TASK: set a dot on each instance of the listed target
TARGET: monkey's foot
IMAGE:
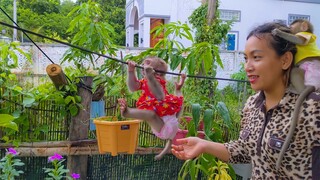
(123, 107)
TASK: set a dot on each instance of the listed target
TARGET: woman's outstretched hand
(188, 148)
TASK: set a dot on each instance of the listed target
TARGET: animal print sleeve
(317, 123)
(238, 152)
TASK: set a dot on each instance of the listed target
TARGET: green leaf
(196, 110)
(28, 101)
(208, 121)
(175, 61)
(73, 109)
(224, 112)
(69, 99)
(6, 120)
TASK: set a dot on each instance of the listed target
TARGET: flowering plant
(58, 171)
(8, 163)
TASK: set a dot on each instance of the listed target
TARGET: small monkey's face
(149, 62)
(298, 27)
(295, 28)
(156, 64)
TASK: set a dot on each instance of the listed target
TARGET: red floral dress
(170, 105)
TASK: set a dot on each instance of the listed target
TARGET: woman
(266, 116)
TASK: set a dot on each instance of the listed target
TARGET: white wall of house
(256, 12)
(252, 13)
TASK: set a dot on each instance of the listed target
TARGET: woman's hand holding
(188, 148)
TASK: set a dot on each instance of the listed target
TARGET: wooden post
(211, 11)
(79, 127)
(56, 74)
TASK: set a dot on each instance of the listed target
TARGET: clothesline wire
(27, 36)
(112, 58)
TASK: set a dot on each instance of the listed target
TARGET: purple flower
(56, 156)
(75, 176)
(12, 151)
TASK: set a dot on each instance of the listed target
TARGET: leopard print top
(263, 133)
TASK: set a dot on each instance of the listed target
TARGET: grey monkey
(309, 55)
(164, 126)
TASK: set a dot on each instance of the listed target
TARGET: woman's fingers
(177, 147)
(179, 154)
(182, 141)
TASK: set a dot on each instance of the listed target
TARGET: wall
(253, 13)
(256, 12)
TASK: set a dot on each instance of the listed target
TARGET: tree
(6, 5)
(210, 32)
(41, 6)
(115, 15)
(45, 17)
(49, 17)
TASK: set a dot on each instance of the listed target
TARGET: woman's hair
(280, 45)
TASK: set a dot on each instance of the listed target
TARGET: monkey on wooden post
(305, 76)
(156, 106)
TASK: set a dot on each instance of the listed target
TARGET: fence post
(79, 127)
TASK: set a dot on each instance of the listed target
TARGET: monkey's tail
(165, 150)
(294, 122)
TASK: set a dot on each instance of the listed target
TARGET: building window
(292, 17)
(231, 42)
(228, 15)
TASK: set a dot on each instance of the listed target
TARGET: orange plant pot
(116, 136)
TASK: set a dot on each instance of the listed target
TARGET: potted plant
(115, 134)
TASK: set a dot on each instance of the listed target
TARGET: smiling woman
(267, 67)
(267, 116)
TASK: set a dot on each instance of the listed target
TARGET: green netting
(123, 166)
(133, 167)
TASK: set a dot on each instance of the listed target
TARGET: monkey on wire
(156, 106)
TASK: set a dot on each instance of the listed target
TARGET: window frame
(302, 16)
(224, 46)
(231, 11)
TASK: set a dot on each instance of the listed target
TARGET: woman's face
(263, 66)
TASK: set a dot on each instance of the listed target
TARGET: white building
(143, 15)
